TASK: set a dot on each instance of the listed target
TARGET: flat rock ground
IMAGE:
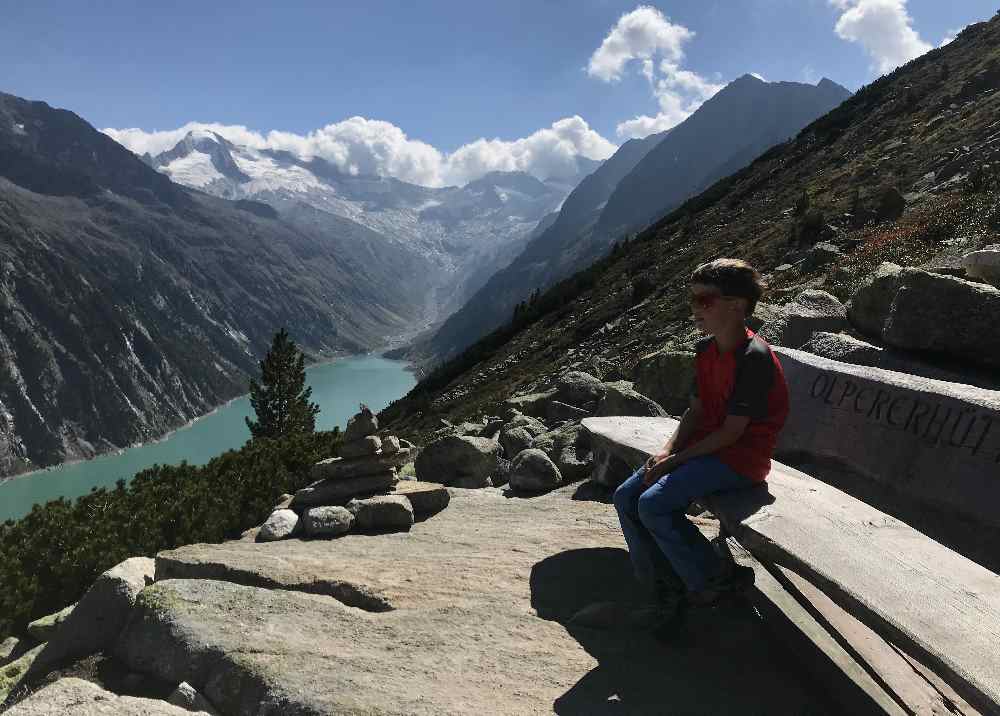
(481, 597)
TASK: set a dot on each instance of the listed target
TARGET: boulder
(844, 348)
(84, 698)
(327, 521)
(390, 445)
(188, 698)
(361, 425)
(426, 498)
(984, 264)
(383, 513)
(13, 673)
(811, 311)
(946, 315)
(869, 306)
(531, 470)
(7, 649)
(534, 426)
(281, 524)
(340, 491)
(43, 628)
(621, 399)
(667, 377)
(468, 428)
(458, 459)
(514, 439)
(99, 616)
(557, 411)
(569, 448)
(820, 255)
(338, 468)
(579, 389)
(531, 404)
(368, 445)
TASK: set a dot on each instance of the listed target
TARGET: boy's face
(712, 311)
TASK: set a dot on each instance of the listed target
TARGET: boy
(724, 441)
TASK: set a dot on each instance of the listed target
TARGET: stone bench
(909, 589)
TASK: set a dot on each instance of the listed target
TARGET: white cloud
(883, 28)
(951, 35)
(641, 34)
(366, 146)
(648, 38)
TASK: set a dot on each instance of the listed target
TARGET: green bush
(50, 557)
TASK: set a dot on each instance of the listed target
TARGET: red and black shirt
(746, 381)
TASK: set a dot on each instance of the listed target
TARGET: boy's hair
(734, 277)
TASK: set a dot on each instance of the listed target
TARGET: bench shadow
(723, 661)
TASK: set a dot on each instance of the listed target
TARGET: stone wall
(937, 442)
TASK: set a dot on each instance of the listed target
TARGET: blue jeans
(654, 523)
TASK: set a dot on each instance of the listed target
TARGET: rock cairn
(356, 490)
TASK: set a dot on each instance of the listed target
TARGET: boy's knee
(624, 496)
(656, 504)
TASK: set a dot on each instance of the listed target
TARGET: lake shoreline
(326, 360)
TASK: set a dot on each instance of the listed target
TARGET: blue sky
(438, 76)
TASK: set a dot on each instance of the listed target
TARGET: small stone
(984, 264)
(327, 521)
(383, 513)
(280, 525)
(368, 445)
(7, 648)
(188, 698)
(361, 425)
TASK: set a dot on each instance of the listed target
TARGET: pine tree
(281, 398)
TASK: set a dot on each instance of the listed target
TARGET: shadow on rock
(722, 662)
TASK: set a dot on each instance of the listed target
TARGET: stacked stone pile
(355, 490)
(538, 445)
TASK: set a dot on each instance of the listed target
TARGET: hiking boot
(734, 582)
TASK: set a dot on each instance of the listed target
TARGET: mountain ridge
(660, 171)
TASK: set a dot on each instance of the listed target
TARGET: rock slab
(99, 616)
(84, 698)
(340, 491)
(338, 468)
(43, 628)
(426, 498)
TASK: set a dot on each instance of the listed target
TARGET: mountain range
(132, 304)
(461, 234)
(642, 181)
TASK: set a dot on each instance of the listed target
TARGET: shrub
(50, 557)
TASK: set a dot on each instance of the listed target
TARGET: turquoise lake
(338, 388)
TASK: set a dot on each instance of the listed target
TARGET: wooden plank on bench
(908, 588)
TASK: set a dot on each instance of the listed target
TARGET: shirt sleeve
(754, 379)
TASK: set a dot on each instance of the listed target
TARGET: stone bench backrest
(937, 442)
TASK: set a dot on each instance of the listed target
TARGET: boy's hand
(659, 469)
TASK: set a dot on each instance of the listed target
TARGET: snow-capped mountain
(467, 232)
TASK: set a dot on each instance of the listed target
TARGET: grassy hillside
(928, 132)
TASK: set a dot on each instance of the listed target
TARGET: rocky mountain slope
(903, 171)
(641, 182)
(462, 234)
(132, 305)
